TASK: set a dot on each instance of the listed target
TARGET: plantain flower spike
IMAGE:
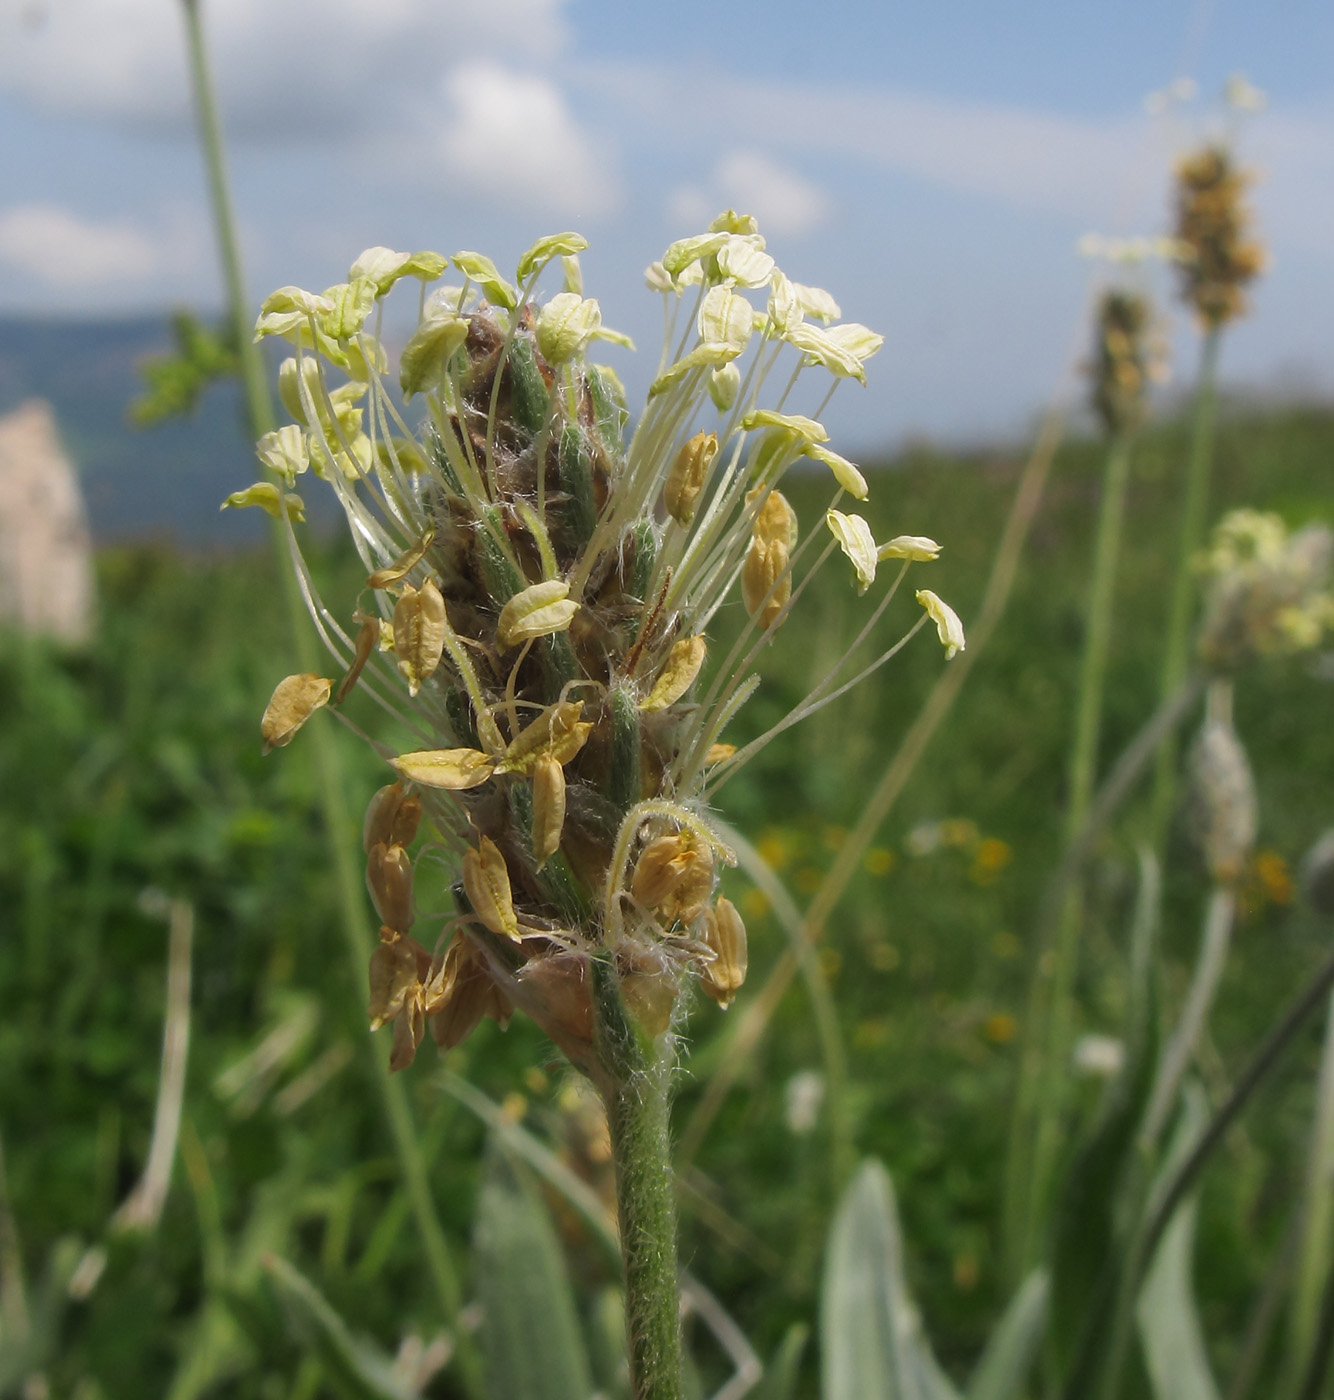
(1217, 254)
(1268, 591)
(1127, 357)
(539, 587)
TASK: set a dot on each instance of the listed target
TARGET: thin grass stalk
(339, 826)
(841, 1149)
(1313, 1383)
(751, 1028)
(1194, 512)
(1214, 943)
(1316, 1247)
(1265, 1314)
(142, 1208)
(1054, 1030)
(1115, 789)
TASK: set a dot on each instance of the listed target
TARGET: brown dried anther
(486, 881)
(291, 705)
(725, 935)
(419, 633)
(389, 879)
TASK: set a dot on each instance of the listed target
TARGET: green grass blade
(1089, 1246)
(1169, 1324)
(780, 1375)
(872, 1340)
(535, 1154)
(531, 1343)
(1003, 1369)
(353, 1366)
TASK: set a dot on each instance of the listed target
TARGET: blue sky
(931, 164)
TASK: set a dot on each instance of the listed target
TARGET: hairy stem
(636, 1092)
(1176, 649)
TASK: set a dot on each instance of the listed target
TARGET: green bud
(623, 777)
(644, 543)
(531, 399)
(579, 514)
(609, 407)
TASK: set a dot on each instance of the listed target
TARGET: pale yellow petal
(918, 548)
(948, 626)
(538, 611)
(403, 565)
(548, 808)
(419, 633)
(857, 542)
(454, 770)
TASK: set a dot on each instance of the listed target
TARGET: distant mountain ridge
(163, 482)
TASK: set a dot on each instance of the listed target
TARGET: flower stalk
(1218, 259)
(328, 768)
(1124, 362)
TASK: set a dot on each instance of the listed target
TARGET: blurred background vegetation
(132, 777)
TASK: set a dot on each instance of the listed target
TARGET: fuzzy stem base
(636, 1093)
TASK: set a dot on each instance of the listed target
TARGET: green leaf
(536, 1155)
(353, 1366)
(530, 1335)
(1004, 1366)
(39, 1345)
(872, 1343)
(1169, 1325)
(780, 1375)
(606, 1331)
(174, 383)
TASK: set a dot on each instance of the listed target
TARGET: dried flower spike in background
(1215, 249)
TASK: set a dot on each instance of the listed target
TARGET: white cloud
(1110, 173)
(780, 199)
(283, 66)
(59, 248)
(1294, 195)
(70, 253)
(688, 206)
(513, 136)
(1028, 159)
(753, 183)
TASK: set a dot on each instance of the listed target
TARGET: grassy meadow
(134, 767)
